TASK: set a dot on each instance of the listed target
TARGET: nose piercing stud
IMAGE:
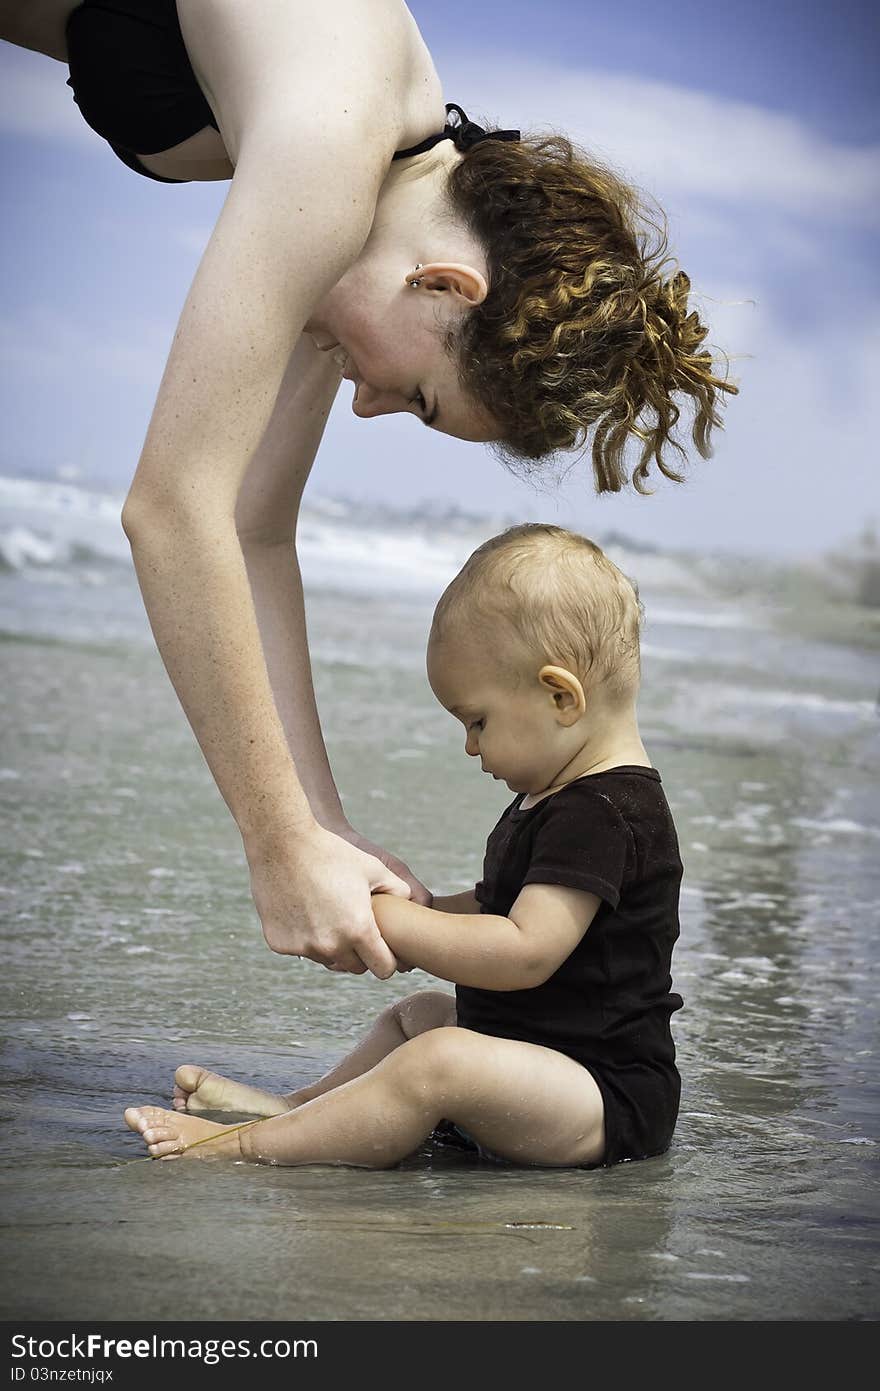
(414, 284)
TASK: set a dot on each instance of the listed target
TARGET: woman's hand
(314, 901)
(417, 891)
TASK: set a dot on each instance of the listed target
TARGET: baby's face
(509, 725)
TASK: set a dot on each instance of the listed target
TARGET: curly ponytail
(580, 329)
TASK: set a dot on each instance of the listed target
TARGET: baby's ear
(567, 691)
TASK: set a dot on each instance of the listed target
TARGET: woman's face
(391, 347)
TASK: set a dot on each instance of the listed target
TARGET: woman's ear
(568, 694)
(463, 282)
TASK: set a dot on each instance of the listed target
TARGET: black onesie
(609, 1003)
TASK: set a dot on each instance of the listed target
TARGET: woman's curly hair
(580, 329)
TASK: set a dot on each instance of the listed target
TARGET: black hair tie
(465, 134)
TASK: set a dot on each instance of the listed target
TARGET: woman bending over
(502, 290)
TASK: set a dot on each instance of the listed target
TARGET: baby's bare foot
(198, 1090)
(168, 1135)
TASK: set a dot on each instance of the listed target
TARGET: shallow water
(131, 945)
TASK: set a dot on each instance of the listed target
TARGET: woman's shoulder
(347, 64)
(423, 109)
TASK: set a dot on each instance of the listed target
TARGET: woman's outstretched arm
(266, 515)
(266, 518)
(285, 236)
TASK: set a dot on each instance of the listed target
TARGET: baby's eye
(419, 400)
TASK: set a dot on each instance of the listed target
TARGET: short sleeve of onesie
(582, 842)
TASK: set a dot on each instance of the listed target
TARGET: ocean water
(130, 945)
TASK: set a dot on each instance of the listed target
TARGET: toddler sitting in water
(556, 1049)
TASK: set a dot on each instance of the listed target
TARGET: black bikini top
(463, 132)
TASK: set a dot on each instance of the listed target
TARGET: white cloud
(795, 468)
(674, 139)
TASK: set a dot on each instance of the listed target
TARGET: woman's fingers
(395, 868)
(316, 903)
(346, 962)
(375, 953)
(385, 881)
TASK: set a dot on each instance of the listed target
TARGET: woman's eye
(476, 724)
(419, 400)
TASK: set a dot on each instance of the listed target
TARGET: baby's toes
(163, 1143)
(135, 1118)
(156, 1133)
(187, 1078)
(160, 1135)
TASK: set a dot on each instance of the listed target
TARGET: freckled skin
(297, 87)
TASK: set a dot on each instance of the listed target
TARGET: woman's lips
(350, 373)
(346, 364)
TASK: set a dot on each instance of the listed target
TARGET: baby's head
(535, 648)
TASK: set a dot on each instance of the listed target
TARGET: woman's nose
(472, 744)
(371, 400)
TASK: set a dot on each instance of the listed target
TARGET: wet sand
(131, 946)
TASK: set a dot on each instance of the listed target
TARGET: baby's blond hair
(560, 599)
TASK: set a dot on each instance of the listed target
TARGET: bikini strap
(463, 132)
(467, 133)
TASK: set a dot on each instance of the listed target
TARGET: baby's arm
(456, 903)
(492, 953)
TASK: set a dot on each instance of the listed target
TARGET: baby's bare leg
(525, 1103)
(197, 1090)
(406, 1019)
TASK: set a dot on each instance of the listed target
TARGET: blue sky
(757, 128)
